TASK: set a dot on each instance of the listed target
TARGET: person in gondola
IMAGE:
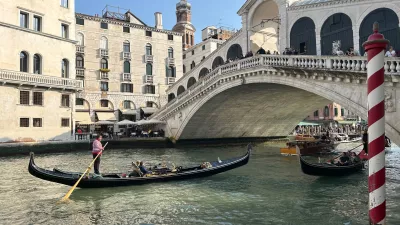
(143, 169)
(365, 141)
(344, 160)
(97, 150)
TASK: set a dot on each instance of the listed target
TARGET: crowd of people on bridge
(357, 129)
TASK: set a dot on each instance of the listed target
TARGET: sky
(204, 12)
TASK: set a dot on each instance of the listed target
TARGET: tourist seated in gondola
(135, 171)
(143, 169)
(344, 160)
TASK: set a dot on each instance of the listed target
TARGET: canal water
(269, 190)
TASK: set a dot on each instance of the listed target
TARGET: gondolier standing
(97, 149)
(365, 141)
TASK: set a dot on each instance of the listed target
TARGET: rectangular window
(148, 33)
(127, 88)
(149, 89)
(203, 47)
(23, 122)
(24, 97)
(127, 105)
(104, 103)
(336, 112)
(37, 23)
(104, 25)
(316, 113)
(342, 111)
(64, 30)
(79, 101)
(37, 98)
(23, 19)
(184, 56)
(65, 122)
(64, 3)
(65, 100)
(37, 122)
(192, 52)
(104, 86)
(80, 21)
(170, 37)
(126, 29)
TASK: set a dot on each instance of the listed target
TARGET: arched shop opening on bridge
(203, 72)
(171, 97)
(338, 27)
(218, 61)
(191, 82)
(302, 36)
(181, 89)
(234, 52)
(264, 27)
(388, 26)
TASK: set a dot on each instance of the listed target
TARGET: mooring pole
(375, 48)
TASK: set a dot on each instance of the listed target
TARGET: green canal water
(269, 190)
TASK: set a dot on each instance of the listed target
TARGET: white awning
(129, 112)
(105, 122)
(126, 122)
(149, 110)
(152, 121)
(83, 118)
(106, 116)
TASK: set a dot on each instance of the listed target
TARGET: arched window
(127, 46)
(149, 69)
(192, 65)
(170, 71)
(79, 62)
(170, 53)
(184, 69)
(64, 68)
(127, 67)
(326, 111)
(23, 62)
(316, 113)
(37, 64)
(104, 43)
(149, 50)
(187, 38)
(104, 63)
(80, 39)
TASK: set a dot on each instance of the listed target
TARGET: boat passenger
(97, 150)
(365, 141)
(143, 169)
(344, 160)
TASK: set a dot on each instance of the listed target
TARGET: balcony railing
(148, 79)
(171, 61)
(80, 72)
(103, 75)
(103, 52)
(148, 58)
(126, 77)
(80, 49)
(126, 55)
(7, 76)
(170, 80)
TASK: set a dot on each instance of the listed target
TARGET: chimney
(158, 17)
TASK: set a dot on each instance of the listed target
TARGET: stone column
(356, 38)
(318, 41)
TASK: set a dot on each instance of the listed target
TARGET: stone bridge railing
(349, 65)
(7, 76)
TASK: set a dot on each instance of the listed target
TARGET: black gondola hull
(108, 181)
(328, 170)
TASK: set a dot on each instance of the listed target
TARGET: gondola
(325, 169)
(115, 180)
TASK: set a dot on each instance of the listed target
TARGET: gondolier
(365, 141)
(97, 149)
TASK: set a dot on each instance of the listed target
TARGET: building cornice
(125, 24)
(36, 32)
(322, 4)
(246, 7)
(203, 43)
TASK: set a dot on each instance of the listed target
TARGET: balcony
(20, 78)
(126, 55)
(80, 72)
(80, 49)
(126, 77)
(170, 80)
(103, 52)
(148, 58)
(170, 61)
(103, 75)
(148, 79)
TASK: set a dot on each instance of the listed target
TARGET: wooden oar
(66, 197)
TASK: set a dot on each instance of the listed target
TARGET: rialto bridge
(268, 95)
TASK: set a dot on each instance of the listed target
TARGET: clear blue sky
(204, 12)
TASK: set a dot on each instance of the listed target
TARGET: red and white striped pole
(375, 47)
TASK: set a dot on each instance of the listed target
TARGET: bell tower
(184, 24)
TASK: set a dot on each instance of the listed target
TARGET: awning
(126, 122)
(149, 110)
(104, 122)
(82, 116)
(152, 121)
(129, 112)
(308, 124)
(106, 116)
(349, 122)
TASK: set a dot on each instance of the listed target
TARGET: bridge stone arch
(303, 36)
(338, 26)
(218, 61)
(181, 89)
(234, 52)
(171, 97)
(191, 82)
